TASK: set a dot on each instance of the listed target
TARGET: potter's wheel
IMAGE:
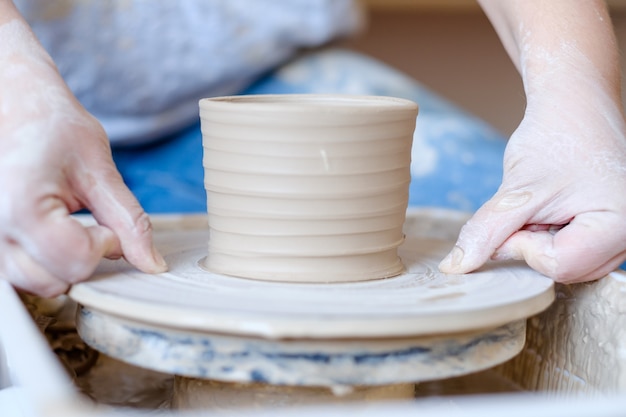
(418, 326)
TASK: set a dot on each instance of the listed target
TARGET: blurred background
(450, 46)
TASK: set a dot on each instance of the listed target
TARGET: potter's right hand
(54, 160)
(561, 206)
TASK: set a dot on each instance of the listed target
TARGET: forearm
(30, 84)
(16, 37)
(18, 44)
(559, 46)
(8, 12)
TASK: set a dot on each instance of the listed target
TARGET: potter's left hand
(562, 203)
(55, 159)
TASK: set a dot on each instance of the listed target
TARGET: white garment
(140, 66)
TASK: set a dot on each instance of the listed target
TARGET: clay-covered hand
(562, 203)
(54, 160)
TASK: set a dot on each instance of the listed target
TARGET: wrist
(574, 96)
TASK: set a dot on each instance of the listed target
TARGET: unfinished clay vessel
(306, 188)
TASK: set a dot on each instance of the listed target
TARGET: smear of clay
(512, 201)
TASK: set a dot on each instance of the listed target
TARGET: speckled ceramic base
(300, 362)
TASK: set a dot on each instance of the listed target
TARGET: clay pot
(306, 188)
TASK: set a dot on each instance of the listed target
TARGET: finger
(17, 267)
(488, 228)
(66, 248)
(114, 206)
(110, 244)
(583, 250)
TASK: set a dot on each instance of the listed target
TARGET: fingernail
(158, 260)
(453, 260)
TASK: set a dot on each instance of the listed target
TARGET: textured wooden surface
(578, 345)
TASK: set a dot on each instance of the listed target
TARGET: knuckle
(32, 281)
(143, 224)
(72, 261)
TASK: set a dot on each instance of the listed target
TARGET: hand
(54, 160)
(562, 203)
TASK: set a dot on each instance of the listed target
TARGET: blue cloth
(456, 157)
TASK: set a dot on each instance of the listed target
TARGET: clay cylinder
(306, 188)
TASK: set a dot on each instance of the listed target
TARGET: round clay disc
(421, 301)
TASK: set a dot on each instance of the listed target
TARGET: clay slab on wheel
(421, 301)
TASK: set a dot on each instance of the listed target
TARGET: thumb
(488, 228)
(114, 206)
(585, 249)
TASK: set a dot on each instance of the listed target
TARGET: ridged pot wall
(306, 188)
